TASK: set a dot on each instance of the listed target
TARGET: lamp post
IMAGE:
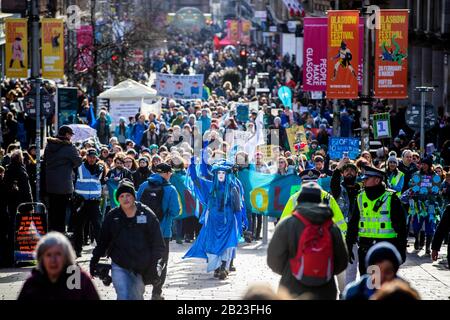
(423, 90)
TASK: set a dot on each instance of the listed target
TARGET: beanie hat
(310, 192)
(393, 159)
(427, 160)
(383, 251)
(125, 186)
(143, 159)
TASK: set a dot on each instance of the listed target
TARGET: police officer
(313, 175)
(88, 189)
(378, 216)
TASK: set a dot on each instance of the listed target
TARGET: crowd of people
(105, 189)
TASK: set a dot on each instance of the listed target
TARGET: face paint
(221, 176)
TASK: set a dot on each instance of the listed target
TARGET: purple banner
(315, 54)
(85, 45)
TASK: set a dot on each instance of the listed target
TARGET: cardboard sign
(382, 126)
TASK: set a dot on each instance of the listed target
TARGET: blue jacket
(171, 203)
(137, 132)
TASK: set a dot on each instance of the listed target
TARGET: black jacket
(60, 158)
(131, 245)
(140, 176)
(442, 230)
(398, 219)
(17, 186)
(336, 189)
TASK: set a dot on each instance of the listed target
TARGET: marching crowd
(117, 189)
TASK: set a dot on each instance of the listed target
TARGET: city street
(187, 279)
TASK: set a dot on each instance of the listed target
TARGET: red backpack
(313, 262)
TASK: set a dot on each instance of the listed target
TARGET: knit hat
(310, 192)
(393, 159)
(427, 160)
(383, 251)
(125, 186)
(143, 159)
(152, 126)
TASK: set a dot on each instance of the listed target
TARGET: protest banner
(391, 55)
(343, 54)
(337, 147)
(179, 86)
(52, 34)
(16, 48)
(267, 194)
(191, 206)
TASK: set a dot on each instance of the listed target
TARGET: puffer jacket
(60, 159)
(283, 247)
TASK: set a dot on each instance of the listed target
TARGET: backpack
(313, 262)
(152, 198)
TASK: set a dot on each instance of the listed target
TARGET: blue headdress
(229, 179)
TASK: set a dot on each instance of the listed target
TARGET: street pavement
(187, 278)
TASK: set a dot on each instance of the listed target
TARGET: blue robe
(219, 236)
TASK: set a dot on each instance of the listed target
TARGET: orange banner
(343, 54)
(391, 55)
(16, 48)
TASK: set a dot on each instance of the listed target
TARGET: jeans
(128, 285)
(430, 226)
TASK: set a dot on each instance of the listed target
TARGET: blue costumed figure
(223, 202)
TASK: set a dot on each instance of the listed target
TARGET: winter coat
(140, 176)
(39, 287)
(171, 203)
(149, 138)
(61, 157)
(133, 244)
(283, 247)
(17, 185)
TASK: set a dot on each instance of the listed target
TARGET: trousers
(165, 258)
(58, 204)
(128, 285)
(88, 213)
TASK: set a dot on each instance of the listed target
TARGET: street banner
(391, 55)
(16, 48)
(85, 46)
(245, 32)
(285, 95)
(337, 147)
(382, 126)
(233, 31)
(267, 194)
(179, 86)
(315, 54)
(343, 54)
(52, 34)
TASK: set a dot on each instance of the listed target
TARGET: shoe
(223, 274)
(188, 240)
(232, 268)
(156, 296)
(216, 273)
(416, 243)
(179, 241)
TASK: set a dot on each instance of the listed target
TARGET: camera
(102, 272)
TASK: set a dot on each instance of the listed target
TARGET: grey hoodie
(283, 247)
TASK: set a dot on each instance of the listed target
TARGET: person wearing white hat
(395, 178)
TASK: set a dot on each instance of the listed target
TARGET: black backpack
(152, 198)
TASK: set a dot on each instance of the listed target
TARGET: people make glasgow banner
(337, 147)
(179, 86)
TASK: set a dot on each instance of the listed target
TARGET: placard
(381, 126)
(242, 112)
(337, 147)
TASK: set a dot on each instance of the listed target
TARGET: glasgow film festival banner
(315, 54)
(179, 86)
(52, 34)
(343, 54)
(391, 55)
(16, 48)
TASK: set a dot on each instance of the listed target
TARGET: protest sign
(179, 86)
(242, 112)
(337, 147)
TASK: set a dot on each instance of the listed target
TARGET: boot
(421, 239)
(428, 245)
(223, 273)
(216, 273)
(416, 242)
(232, 267)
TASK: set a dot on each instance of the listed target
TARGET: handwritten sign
(337, 147)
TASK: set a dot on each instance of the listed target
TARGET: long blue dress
(219, 236)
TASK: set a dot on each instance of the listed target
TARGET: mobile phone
(345, 154)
